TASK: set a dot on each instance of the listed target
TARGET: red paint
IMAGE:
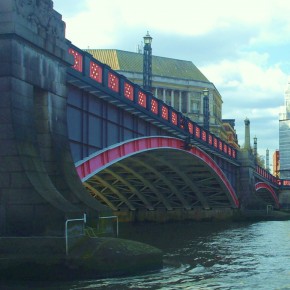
(78, 59)
(113, 82)
(142, 99)
(120, 151)
(154, 106)
(128, 91)
(174, 118)
(96, 72)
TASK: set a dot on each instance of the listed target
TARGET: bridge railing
(102, 76)
(284, 183)
(281, 183)
(267, 175)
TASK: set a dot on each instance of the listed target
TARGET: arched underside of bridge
(156, 173)
(266, 193)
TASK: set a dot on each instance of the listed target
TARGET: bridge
(170, 163)
(77, 137)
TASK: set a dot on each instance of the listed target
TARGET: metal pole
(66, 235)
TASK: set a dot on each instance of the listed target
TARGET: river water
(205, 255)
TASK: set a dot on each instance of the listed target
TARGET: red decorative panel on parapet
(78, 60)
(142, 99)
(129, 91)
(113, 82)
(174, 118)
(164, 112)
(190, 127)
(154, 106)
(96, 72)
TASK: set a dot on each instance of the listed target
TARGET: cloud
(187, 17)
(240, 46)
(251, 88)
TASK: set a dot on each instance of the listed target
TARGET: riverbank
(90, 258)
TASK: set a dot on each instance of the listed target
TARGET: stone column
(156, 92)
(188, 103)
(179, 102)
(164, 95)
(172, 98)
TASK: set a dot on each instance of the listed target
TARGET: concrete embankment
(90, 258)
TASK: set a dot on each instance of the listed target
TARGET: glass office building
(284, 136)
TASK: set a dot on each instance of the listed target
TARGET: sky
(242, 47)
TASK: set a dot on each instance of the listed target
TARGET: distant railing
(267, 175)
(93, 71)
(282, 183)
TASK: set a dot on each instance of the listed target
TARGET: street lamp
(205, 109)
(147, 63)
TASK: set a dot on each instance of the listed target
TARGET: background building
(284, 136)
(229, 126)
(178, 83)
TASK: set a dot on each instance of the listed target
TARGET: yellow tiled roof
(121, 60)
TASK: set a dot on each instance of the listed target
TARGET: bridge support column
(39, 188)
(246, 190)
(284, 199)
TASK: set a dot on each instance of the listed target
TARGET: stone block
(4, 177)
(19, 180)
(8, 147)
(6, 131)
(42, 126)
(5, 118)
(5, 69)
(22, 196)
(5, 84)
(22, 87)
(19, 219)
(11, 164)
(5, 101)
(44, 140)
(5, 51)
(6, 6)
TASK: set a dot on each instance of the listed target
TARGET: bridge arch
(267, 193)
(156, 172)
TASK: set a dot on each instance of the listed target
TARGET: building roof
(121, 60)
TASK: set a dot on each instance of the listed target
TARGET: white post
(164, 95)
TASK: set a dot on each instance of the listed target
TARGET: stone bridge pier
(246, 179)
(39, 187)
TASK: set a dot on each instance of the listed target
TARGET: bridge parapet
(99, 78)
(284, 183)
(267, 176)
(273, 180)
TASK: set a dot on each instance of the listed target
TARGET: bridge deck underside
(160, 179)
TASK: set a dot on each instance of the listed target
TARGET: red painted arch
(103, 159)
(264, 185)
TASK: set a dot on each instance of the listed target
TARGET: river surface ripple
(204, 255)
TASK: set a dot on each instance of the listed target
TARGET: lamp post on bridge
(205, 109)
(147, 63)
